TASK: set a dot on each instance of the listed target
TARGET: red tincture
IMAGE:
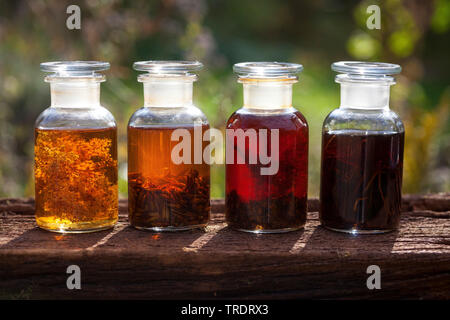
(361, 181)
(265, 203)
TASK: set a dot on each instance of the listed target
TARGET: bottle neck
(368, 96)
(75, 94)
(267, 95)
(168, 93)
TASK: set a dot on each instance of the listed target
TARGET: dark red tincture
(265, 203)
(361, 181)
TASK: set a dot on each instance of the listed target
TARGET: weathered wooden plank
(222, 263)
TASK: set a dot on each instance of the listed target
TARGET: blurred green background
(220, 33)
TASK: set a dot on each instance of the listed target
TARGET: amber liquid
(269, 203)
(76, 179)
(361, 181)
(162, 195)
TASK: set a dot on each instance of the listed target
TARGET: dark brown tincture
(361, 180)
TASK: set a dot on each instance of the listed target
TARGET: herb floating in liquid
(256, 202)
(161, 193)
(361, 180)
(174, 201)
(287, 212)
(76, 178)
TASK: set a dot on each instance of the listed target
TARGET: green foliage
(440, 22)
(363, 46)
(402, 43)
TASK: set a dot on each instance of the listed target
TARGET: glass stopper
(74, 68)
(366, 68)
(267, 69)
(168, 67)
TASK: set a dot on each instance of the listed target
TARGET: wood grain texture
(222, 263)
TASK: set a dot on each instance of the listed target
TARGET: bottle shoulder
(57, 118)
(359, 119)
(287, 118)
(156, 116)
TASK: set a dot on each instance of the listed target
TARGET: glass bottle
(75, 152)
(166, 193)
(362, 152)
(267, 152)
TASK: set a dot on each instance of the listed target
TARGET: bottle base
(84, 227)
(268, 231)
(359, 231)
(170, 229)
